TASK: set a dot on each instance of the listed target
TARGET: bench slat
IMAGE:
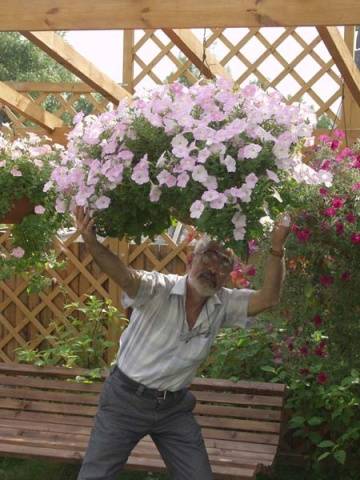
(86, 411)
(66, 440)
(77, 400)
(234, 435)
(238, 398)
(48, 384)
(238, 412)
(134, 462)
(234, 424)
(31, 394)
(198, 383)
(257, 388)
(78, 433)
(144, 448)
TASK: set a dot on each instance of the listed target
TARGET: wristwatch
(277, 253)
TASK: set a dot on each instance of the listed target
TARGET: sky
(104, 49)
(101, 47)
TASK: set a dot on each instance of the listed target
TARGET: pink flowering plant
(318, 353)
(25, 168)
(311, 341)
(212, 155)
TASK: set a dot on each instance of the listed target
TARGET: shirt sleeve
(237, 307)
(150, 284)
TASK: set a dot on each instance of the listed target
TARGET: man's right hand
(85, 225)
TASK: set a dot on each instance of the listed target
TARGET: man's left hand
(280, 231)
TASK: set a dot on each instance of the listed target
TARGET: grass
(14, 469)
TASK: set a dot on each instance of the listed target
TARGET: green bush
(80, 340)
(311, 341)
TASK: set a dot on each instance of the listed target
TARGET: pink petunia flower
(39, 209)
(317, 320)
(322, 378)
(102, 202)
(18, 252)
(345, 276)
(334, 144)
(15, 173)
(326, 280)
(355, 238)
(304, 350)
(339, 134)
(330, 212)
(350, 217)
(320, 350)
(303, 235)
(338, 202)
(196, 209)
(155, 194)
(339, 228)
(252, 246)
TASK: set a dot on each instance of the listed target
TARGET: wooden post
(350, 115)
(128, 61)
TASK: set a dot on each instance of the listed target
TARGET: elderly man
(174, 322)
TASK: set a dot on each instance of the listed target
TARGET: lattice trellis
(64, 100)
(293, 60)
(28, 317)
(276, 57)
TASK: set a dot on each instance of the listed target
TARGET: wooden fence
(28, 318)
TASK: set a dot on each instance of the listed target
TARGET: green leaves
(297, 421)
(314, 421)
(83, 341)
(326, 444)
(340, 456)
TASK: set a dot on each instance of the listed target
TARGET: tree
(21, 60)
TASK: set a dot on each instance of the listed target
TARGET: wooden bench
(43, 415)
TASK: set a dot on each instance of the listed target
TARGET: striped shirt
(157, 348)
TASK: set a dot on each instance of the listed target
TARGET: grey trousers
(123, 418)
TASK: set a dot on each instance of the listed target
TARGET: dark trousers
(126, 414)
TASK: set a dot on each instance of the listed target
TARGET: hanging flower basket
(28, 207)
(214, 153)
(20, 208)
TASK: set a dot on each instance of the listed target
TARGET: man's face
(210, 269)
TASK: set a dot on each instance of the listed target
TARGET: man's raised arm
(269, 294)
(127, 278)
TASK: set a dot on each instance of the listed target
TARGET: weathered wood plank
(147, 14)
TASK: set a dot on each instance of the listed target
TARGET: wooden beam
(151, 14)
(67, 56)
(50, 87)
(59, 135)
(350, 112)
(343, 59)
(193, 49)
(128, 60)
(29, 109)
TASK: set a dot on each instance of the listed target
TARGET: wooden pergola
(175, 19)
(167, 24)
